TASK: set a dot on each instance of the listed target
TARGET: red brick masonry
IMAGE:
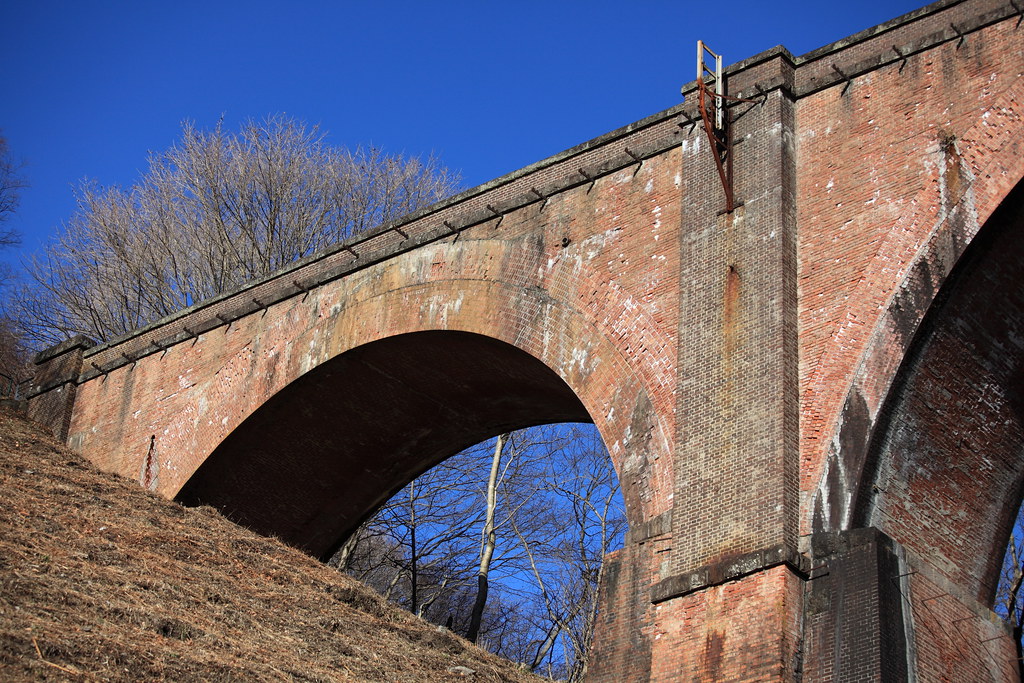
(814, 402)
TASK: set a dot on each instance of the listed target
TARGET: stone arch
(318, 456)
(978, 171)
(942, 465)
(945, 464)
(554, 361)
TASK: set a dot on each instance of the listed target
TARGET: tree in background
(566, 549)
(12, 182)
(215, 211)
(534, 513)
(1009, 601)
(14, 366)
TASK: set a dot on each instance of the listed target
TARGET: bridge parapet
(756, 374)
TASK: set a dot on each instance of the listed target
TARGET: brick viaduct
(814, 402)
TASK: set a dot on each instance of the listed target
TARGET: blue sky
(88, 89)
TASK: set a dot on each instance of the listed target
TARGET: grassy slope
(101, 580)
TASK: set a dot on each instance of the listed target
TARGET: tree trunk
(412, 555)
(487, 542)
(545, 647)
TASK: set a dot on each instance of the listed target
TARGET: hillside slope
(101, 580)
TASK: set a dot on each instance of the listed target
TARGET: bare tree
(12, 182)
(488, 539)
(1009, 601)
(14, 365)
(584, 521)
(509, 542)
(216, 210)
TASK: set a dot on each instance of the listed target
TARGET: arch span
(945, 465)
(322, 454)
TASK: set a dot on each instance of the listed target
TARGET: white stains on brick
(592, 246)
(439, 306)
(694, 146)
(315, 351)
(633, 463)
(825, 494)
(581, 362)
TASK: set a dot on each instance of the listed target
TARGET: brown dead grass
(100, 580)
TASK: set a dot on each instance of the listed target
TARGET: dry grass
(100, 580)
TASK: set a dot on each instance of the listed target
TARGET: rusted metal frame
(718, 132)
(719, 147)
(721, 138)
(716, 75)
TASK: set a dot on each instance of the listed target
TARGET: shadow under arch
(325, 452)
(944, 467)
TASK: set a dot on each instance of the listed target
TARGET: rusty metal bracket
(903, 57)
(689, 121)
(636, 158)
(305, 291)
(811, 570)
(543, 198)
(1020, 13)
(497, 213)
(590, 178)
(842, 74)
(762, 93)
(959, 33)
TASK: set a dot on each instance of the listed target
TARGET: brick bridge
(814, 402)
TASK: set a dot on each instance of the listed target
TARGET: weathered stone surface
(814, 402)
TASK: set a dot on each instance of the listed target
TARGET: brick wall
(804, 365)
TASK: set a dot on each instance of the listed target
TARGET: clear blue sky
(88, 89)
